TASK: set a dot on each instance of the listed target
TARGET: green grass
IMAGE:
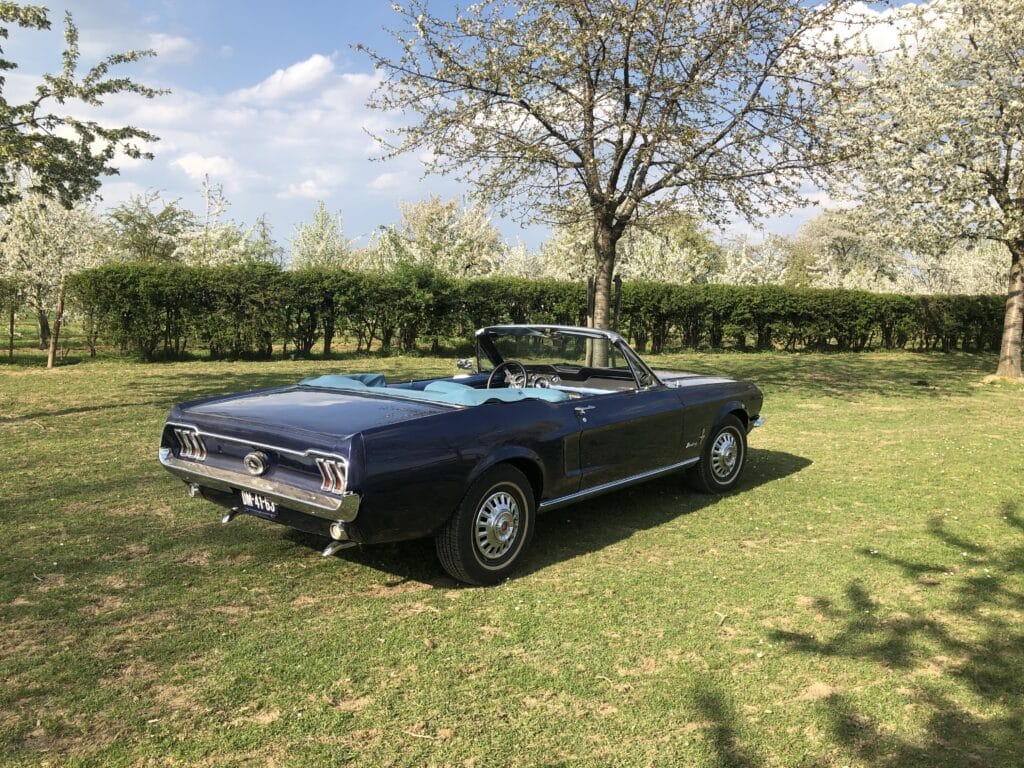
(858, 602)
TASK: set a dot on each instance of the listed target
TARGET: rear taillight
(333, 475)
(190, 444)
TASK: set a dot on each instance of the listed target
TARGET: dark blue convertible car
(547, 416)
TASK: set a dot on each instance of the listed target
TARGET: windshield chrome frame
(633, 361)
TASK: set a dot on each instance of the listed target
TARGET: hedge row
(241, 311)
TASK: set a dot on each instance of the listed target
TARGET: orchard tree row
(43, 242)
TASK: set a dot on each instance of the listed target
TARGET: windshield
(552, 347)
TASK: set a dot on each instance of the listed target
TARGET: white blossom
(321, 242)
(42, 242)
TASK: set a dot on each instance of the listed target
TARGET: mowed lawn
(859, 601)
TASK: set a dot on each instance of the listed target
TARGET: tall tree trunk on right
(1013, 322)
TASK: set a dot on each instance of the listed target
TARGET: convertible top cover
(447, 392)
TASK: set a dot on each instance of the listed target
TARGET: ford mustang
(544, 417)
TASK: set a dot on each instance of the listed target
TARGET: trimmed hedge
(161, 311)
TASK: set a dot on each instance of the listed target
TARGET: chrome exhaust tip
(193, 490)
(230, 515)
(335, 546)
(338, 532)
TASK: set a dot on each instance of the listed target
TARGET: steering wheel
(509, 364)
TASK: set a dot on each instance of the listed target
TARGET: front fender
(731, 407)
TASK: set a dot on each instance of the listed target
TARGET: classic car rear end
(292, 455)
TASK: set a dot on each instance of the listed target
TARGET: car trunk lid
(329, 414)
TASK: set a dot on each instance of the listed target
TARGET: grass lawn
(859, 601)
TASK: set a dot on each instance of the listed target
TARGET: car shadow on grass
(962, 664)
(559, 536)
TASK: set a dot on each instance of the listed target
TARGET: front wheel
(485, 537)
(722, 457)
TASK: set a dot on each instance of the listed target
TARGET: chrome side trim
(572, 498)
(344, 508)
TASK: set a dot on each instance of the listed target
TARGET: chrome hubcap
(725, 453)
(497, 522)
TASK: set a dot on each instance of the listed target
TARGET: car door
(624, 434)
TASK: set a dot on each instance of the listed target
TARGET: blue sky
(266, 98)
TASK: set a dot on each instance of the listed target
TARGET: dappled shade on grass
(971, 642)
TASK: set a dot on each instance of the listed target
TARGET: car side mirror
(465, 364)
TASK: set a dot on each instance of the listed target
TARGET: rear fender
(516, 455)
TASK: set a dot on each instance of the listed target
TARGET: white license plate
(258, 505)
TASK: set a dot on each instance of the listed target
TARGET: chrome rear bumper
(342, 508)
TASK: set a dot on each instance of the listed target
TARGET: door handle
(581, 411)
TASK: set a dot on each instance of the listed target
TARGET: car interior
(525, 363)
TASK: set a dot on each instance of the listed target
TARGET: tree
(41, 244)
(568, 254)
(969, 266)
(629, 107)
(938, 123)
(674, 248)
(321, 242)
(10, 299)
(215, 241)
(64, 156)
(146, 228)
(671, 248)
(839, 249)
(755, 264)
(259, 246)
(458, 241)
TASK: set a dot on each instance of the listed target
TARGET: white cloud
(386, 181)
(97, 43)
(307, 189)
(172, 48)
(198, 166)
(290, 82)
(161, 112)
(115, 192)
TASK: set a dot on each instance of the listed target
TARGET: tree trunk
(605, 241)
(44, 328)
(1013, 322)
(10, 336)
(51, 359)
(328, 335)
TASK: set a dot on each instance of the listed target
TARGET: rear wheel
(722, 457)
(485, 537)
